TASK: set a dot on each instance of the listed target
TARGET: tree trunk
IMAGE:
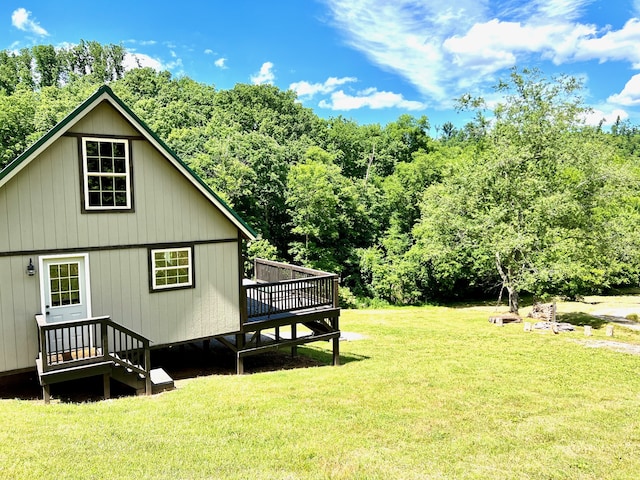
(514, 300)
(507, 282)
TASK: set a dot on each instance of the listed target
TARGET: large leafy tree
(534, 209)
(323, 205)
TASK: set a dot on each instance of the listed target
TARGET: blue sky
(369, 60)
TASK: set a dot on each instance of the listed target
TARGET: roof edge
(174, 155)
(52, 134)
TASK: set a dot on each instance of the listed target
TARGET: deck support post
(239, 360)
(336, 342)
(294, 336)
(106, 381)
(46, 394)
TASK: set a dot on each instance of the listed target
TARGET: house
(110, 245)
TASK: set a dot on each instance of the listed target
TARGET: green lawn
(427, 393)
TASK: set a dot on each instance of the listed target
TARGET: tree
(322, 204)
(47, 65)
(354, 146)
(16, 124)
(530, 212)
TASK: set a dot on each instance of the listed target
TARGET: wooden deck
(284, 306)
(283, 295)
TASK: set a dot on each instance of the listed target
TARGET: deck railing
(76, 343)
(283, 288)
(270, 271)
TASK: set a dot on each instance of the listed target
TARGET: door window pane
(64, 284)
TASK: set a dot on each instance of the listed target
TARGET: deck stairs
(160, 380)
(318, 327)
(96, 346)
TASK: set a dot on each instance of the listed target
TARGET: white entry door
(64, 289)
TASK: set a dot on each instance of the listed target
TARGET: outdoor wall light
(31, 269)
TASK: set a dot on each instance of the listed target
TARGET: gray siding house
(109, 244)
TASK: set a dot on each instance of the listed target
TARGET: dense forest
(526, 198)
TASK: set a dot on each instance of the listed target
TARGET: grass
(430, 392)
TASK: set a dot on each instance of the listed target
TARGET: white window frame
(86, 174)
(155, 268)
(86, 284)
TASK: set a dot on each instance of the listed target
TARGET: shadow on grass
(581, 319)
(524, 301)
(324, 357)
(180, 362)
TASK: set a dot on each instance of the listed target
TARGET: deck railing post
(104, 339)
(244, 311)
(336, 301)
(147, 368)
(42, 340)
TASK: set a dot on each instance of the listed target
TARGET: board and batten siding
(120, 289)
(41, 212)
(40, 208)
(19, 301)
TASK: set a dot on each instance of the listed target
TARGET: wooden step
(161, 381)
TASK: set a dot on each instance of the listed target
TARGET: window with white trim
(171, 268)
(106, 174)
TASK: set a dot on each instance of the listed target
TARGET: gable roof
(104, 93)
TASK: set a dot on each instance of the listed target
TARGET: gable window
(171, 268)
(106, 174)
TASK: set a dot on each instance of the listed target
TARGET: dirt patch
(617, 346)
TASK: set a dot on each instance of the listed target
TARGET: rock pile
(543, 311)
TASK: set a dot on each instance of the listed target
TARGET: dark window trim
(83, 209)
(175, 246)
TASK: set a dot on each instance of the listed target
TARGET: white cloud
(208, 51)
(136, 60)
(614, 45)
(371, 98)
(597, 117)
(448, 48)
(265, 75)
(545, 9)
(21, 19)
(175, 66)
(564, 9)
(630, 94)
(308, 90)
(406, 36)
(221, 63)
(144, 43)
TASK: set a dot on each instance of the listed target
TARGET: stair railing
(75, 343)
